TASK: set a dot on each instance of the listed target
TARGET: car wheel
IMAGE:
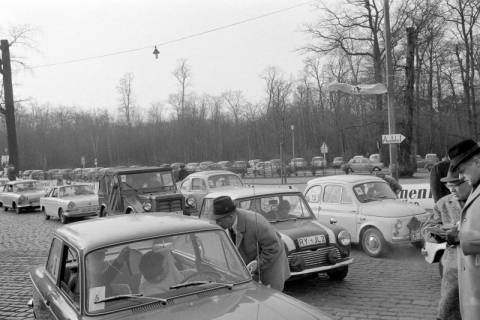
(1, 204)
(376, 169)
(40, 311)
(338, 274)
(62, 217)
(47, 217)
(5, 208)
(373, 243)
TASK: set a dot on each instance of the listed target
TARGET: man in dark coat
(465, 158)
(257, 241)
(439, 171)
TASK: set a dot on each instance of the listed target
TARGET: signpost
(324, 151)
(392, 138)
(82, 160)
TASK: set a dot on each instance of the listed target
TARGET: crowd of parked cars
(317, 227)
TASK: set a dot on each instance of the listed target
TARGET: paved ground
(401, 286)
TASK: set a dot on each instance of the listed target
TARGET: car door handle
(362, 218)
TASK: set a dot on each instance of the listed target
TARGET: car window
(70, 275)
(346, 198)
(332, 194)
(198, 184)
(373, 191)
(54, 257)
(314, 194)
(224, 180)
(55, 192)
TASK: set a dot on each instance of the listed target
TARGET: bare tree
(182, 74)
(127, 98)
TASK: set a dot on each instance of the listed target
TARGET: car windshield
(224, 180)
(147, 180)
(373, 191)
(75, 190)
(274, 207)
(26, 186)
(152, 270)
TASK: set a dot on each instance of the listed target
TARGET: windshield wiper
(200, 282)
(130, 295)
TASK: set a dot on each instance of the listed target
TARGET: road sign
(392, 138)
(324, 148)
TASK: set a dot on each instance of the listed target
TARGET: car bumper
(33, 204)
(326, 268)
(79, 213)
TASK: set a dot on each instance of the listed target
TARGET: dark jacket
(439, 171)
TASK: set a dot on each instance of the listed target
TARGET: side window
(55, 193)
(69, 275)
(346, 196)
(198, 184)
(54, 258)
(314, 194)
(332, 194)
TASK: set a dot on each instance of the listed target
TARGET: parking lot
(401, 286)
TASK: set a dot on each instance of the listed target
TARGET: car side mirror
(333, 221)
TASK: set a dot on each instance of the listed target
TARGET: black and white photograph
(240, 159)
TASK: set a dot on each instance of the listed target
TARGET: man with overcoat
(465, 158)
(256, 240)
(442, 226)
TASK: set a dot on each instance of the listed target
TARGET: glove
(452, 237)
(252, 266)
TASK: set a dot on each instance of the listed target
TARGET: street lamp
(292, 127)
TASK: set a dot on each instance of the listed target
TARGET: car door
(47, 201)
(337, 203)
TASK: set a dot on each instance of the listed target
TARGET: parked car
(26, 174)
(199, 184)
(318, 163)
(192, 167)
(239, 167)
(93, 274)
(430, 160)
(205, 165)
(70, 201)
(176, 169)
(311, 247)
(374, 157)
(362, 164)
(65, 174)
(37, 175)
(21, 195)
(225, 165)
(138, 189)
(337, 162)
(298, 165)
(367, 207)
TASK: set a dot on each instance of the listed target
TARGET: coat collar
(471, 198)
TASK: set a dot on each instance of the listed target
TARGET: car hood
(390, 208)
(257, 302)
(293, 230)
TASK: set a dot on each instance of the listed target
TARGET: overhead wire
(190, 36)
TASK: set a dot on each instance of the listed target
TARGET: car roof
(91, 234)
(238, 193)
(348, 178)
(209, 173)
(21, 181)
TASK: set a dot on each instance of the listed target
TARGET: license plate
(415, 235)
(311, 241)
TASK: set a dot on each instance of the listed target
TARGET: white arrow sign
(392, 138)
(324, 148)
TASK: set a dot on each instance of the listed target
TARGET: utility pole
(9, 110)
(390, 95)
(292, 127)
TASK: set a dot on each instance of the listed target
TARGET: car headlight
(71, 205)
(22, 198)
(147, 206)
(344, 238)
(191, 202)
(399, 224)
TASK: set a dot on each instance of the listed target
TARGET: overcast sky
(232, 58)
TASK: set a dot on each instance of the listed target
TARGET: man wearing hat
(465, 159)
(442, 226)
(256, 240)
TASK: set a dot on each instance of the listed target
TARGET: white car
(21, 195)
(368, 208)
(70, 201)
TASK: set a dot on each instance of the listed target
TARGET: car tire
(5, 208)
(373, 243)
(47, 217)
(338, 274)
(40, 311)
(61, 216)
(376, 169)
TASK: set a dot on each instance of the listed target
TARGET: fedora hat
(222, 206)
(452, 177)
(461, 152)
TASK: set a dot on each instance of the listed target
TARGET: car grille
(88, 209)
(313, 258)
(169, 205)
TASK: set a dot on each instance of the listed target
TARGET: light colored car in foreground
(367, 207)
(70, 201)
(197, 185)
(93, 274)
(21, 195)
(312, 247)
